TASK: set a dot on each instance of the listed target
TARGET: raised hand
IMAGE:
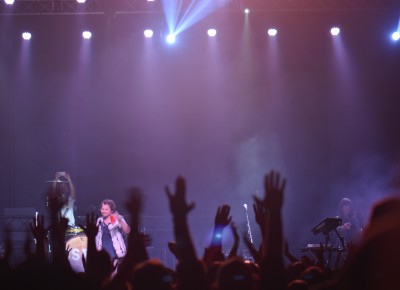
(91, 228)
(190, 272)
(38, 229)
(260, 213)
(273, 270)
(253, 251)
(177, 202)
(222, 218)
(287, 253)
(54, 203)
(68, 176)
(39, 232)
(63, 225)
(274, 188)
(174, 250)
(134, 206)
(134, 202)
(236, 240)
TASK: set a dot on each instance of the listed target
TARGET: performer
(112, 228)
(65, 190)
(350, 228)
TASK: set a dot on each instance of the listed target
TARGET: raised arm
(39, 232)
(190, 270)
(272, 268)
(179, 209)
(137, 242)
(58, 227)
(214, 251)
(262, 219)
(71, 185)
(236, 240)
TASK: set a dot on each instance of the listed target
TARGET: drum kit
(76, 245)
(75, 240)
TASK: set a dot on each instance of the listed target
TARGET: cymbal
(57, 181)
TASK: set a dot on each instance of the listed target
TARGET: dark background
(120, 110)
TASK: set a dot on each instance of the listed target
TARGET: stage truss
(51, 7)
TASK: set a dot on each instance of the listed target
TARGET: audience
(373, 264)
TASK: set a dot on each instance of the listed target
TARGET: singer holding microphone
(350, 229)
(112, 228)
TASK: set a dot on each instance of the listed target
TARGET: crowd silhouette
(370, 264)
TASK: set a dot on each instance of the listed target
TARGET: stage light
(26, 35)
(148, 33)
(81, 1)
(272, 32)
(171, 38)
(212, 32)
(396, 35)
(86, 34)
(180, 16)
(335, 31)
(9, 2)
(247, 10)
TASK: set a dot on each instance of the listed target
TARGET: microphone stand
(248, 224)
(250, 236)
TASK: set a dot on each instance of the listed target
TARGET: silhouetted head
(234, 274)
(313, 275)
(152, 275)
(385, 207)
(297, 284)
(296, 268)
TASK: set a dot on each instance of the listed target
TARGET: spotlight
(396, 35)
(86, 34)
(212, 32)
(81, 1)
(247, 10)
(148, 33)
(9, 2)
(335, 31)
(272, 32)
(26, 35)
(171, 38)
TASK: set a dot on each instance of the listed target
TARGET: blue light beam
(179, 18)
